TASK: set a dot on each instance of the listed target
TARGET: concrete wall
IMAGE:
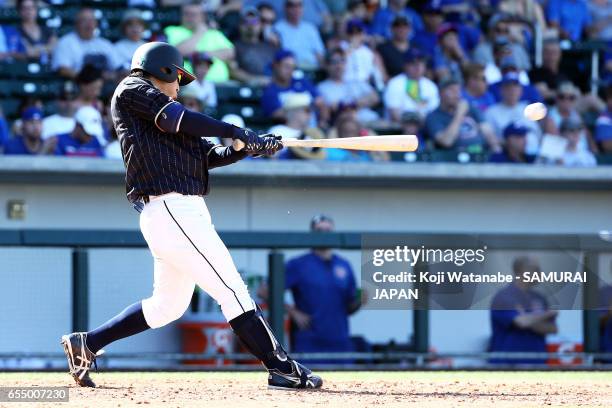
(73, 194)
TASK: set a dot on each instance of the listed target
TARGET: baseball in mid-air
(535, 111)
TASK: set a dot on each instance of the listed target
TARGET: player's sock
(127, 323)
(257, 337)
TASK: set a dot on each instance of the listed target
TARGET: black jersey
(159, 162)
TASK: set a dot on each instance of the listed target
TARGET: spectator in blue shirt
(515, 142)
(449, 55)
(325, 294)
(426, 38)
(475, 87)
(381, 24)
(30, 141)
(603, 126)
(83, 141)
(571, 17)
(284, 81)
(520, 317)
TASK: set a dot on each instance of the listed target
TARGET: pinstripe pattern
(157, 162)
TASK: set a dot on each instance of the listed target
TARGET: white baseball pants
(187, 251)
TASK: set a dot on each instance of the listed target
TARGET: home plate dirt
(340, 389)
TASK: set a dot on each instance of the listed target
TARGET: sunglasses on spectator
(297, 4)
(266, 20)
(337, 61)
(502, 30)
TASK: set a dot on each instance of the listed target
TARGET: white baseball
(535, 111)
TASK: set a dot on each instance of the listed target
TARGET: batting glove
(269, 144)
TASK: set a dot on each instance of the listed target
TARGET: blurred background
(457, 73)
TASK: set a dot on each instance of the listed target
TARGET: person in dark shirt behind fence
(520, 317)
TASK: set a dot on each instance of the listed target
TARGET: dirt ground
(340, 389)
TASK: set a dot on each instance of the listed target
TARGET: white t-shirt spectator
(333, 93)
(360, 65)
(303, 40)
(397, 96)
(71, 50)
(56, 125)
(124, 50)
(499, 116)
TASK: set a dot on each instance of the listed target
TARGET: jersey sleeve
(219, 156)
(149, 103)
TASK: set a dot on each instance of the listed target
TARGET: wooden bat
(386, 143)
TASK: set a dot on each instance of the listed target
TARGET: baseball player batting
(167, 163)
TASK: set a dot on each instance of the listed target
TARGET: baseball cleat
(80, 358)
(301, 378)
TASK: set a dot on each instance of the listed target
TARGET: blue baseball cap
(282, 54)
(32, 113)
(414, 54)
(515, 129)
(511, 78)
(433, 7)
(355, 25)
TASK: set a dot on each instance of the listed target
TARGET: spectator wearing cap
(475, 89)
(362, 64)
(510, 109)
(501, 41)
(89, 83)
(392, 50)
(195, 35)
(82, 46)
(254, 56)
(515, 141)
(455, 125)
(548, 77)
(336, 90)
(84, 140)
(520, 316)
(202, 63)
(296, 107)
(566, 103)
(603, 125)
(38, 41)
(132, 27)
(325, 294)
(381, 24)
(63, 120)
(504, 60)
(570, 17)
(411, 91)
(449, 56)
(529, 92)
(427, 37)
(571, 129)
(29, 142)
(283, 81)
(300, 37)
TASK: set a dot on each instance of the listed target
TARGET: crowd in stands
(457, 73)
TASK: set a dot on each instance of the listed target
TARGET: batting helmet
(163, 61)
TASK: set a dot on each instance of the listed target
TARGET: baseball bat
(386, 143)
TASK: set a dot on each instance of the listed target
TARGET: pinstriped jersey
(158, 162)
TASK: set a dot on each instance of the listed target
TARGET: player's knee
(159, 312)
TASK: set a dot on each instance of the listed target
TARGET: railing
(591, 245)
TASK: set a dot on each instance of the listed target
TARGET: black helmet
(161, 60)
